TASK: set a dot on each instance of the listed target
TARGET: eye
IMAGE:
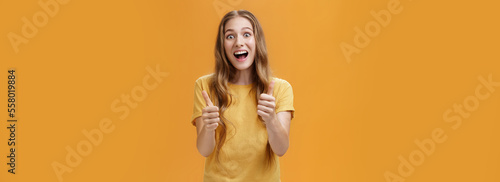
(230, 37)
(246, 35)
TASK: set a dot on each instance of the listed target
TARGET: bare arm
(278, 132)
(205, 140)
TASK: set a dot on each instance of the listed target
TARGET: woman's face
(239, 43)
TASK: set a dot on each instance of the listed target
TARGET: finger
(212, 120)
(266, 103)
(207, 99)
(210, 109)
(262, 114)
(211, 115)
(212, 126)
(271, 87)
(264, 109)
(266, 97)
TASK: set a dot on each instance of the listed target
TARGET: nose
(239, 42)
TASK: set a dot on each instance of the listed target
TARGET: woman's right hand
(210, 114)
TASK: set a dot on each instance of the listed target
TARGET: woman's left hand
(266, 105)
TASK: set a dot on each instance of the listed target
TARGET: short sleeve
(284, 96)
(198, 100)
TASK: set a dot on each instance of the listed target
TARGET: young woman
(242, 114)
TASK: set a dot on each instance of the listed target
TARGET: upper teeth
(240, 52)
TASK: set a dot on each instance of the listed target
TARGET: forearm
(205, 142)
(278, 137)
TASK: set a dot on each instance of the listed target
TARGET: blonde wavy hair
(225, 71)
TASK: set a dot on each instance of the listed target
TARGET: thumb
(207, 99)
(270, 89)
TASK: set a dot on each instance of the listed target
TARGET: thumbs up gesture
(266, 105)
(210, 114)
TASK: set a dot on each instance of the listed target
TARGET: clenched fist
(210, 114)
(266, 105)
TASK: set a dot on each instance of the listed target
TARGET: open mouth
(240, 55)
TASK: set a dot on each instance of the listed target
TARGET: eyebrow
(241, 29)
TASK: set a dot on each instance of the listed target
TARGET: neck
(243, 77)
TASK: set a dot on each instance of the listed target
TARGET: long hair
(225, 71)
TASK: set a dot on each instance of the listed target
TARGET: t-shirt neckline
(235, 85)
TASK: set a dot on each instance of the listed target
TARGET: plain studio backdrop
(384, 90)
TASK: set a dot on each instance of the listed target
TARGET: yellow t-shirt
(244, 152)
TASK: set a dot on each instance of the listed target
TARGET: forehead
(237, 24)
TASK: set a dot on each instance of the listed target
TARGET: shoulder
(203, 82)
(282, 88)
(204, 78)
(281, 83)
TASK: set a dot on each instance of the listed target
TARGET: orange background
(353, 119)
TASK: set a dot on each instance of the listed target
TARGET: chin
(241, 66)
